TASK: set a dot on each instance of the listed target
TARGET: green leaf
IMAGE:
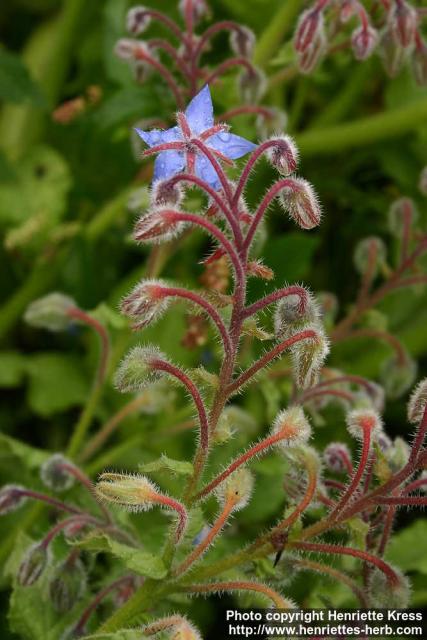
(126, 104)
(12, 368)
(16, 84)
(27, 456)
(142, 562)
(406, 549)
(179, 467)
(56, 383)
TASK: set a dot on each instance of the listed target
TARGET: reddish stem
(224, 25)
(419, 437)
(252, 160)
(158, 43)
(81, 624)
(218, 169)
(403, 501)
(237, 585)
(53, 502)
(396, 345)
(175, 506)
(226, 65)
(278, 295)
(246, 109)
(315, 393)
(141, 54)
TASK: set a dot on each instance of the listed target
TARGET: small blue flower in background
(196, 122)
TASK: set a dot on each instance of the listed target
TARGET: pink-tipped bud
(146, 303)
(198, 9)
(67, 585)
(242, 41)
(419, 64)
(138, 369)
(364, 39)
(293, 312)
(336, 457)
(160, 225)
(309, 26)
(292, 426)
(132, 491)
(236, 489)
(137, 20)
(310, 58)
(252, 85)
(11, 498)
(370, 253)
(398, 375)
(33, 564)
(54, 473)
(403, 23)
(417, 402)
(284, 155)
(387, 592)
(363, 421)
(422, 183)
(52, 312)
(166, 193)
(401, 211)
(308, 357)
(300, 201)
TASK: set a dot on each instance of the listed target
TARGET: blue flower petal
(204, 170)
(199, 112)
(168, 164)
(157, 136)
(230, 145)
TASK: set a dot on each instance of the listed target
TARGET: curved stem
(158, 43)
(278, 295)
(81, 624)
(247, 109)
(318, 567)
(226, 65)
(141, 54)
(238, 585)
(212, 30)
(252, 160)
(176, 506)
(219, 172)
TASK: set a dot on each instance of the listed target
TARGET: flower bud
(166, 193)
(136, 369)
(301, 203)
(363, 41)
(399, 453)
(422, 184)
(237, 489)
(328, 306)
(403, 23)
(132, 491)
(284, 155)
(309, 59)
(308, 356)
(293, 427)
(398, 376)
(419, 64)
(33, 564)
(267, 125)
(362, 421)
(384, 594)
(242, 41)
(146, 303)
(383, 441)
(401, 209)
(186, 631)
(160, 225)
(199, 9)
(11, 498)
(310, 25)
(369, 251)
(137, 20)
(417, 402)
(67, 585)
(347, 10)
(54, 475)
(252, 85)
(392, 54)
(126, 48)
(335, 457)
(51, 312)
(294, 312)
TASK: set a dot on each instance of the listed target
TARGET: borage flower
(177, 149)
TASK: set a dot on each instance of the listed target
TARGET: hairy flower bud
(199, 9)
(166, 193)
(363, 41)
(252, 85)
(293, 427)
(309, 59)
(11, 498)
(132, 491)
(127, 48)
(362, 421)
(403, 23)
(236, 488)
(401, 209)
(383, 441)
(137, 20)
(398, 375)
(369, 252)
(136, 369)
(294, 312)
(146, 303)
(310, 25)
(67, 585)
(398, 454)
(178, 626)
(336, 457)
(392, 54)
(33, 564)
(300, 201)
(308, 356)
(51, 312)
(54, 474)
(268, 125)
(242, 41)
(160, 225)
(417, 402)
(386, 594)
(328, 306)
(284, 155)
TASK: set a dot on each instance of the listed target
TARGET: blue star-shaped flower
(196, 123)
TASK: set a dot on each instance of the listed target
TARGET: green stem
(381, 126)
(275, 32)
(128, 614)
